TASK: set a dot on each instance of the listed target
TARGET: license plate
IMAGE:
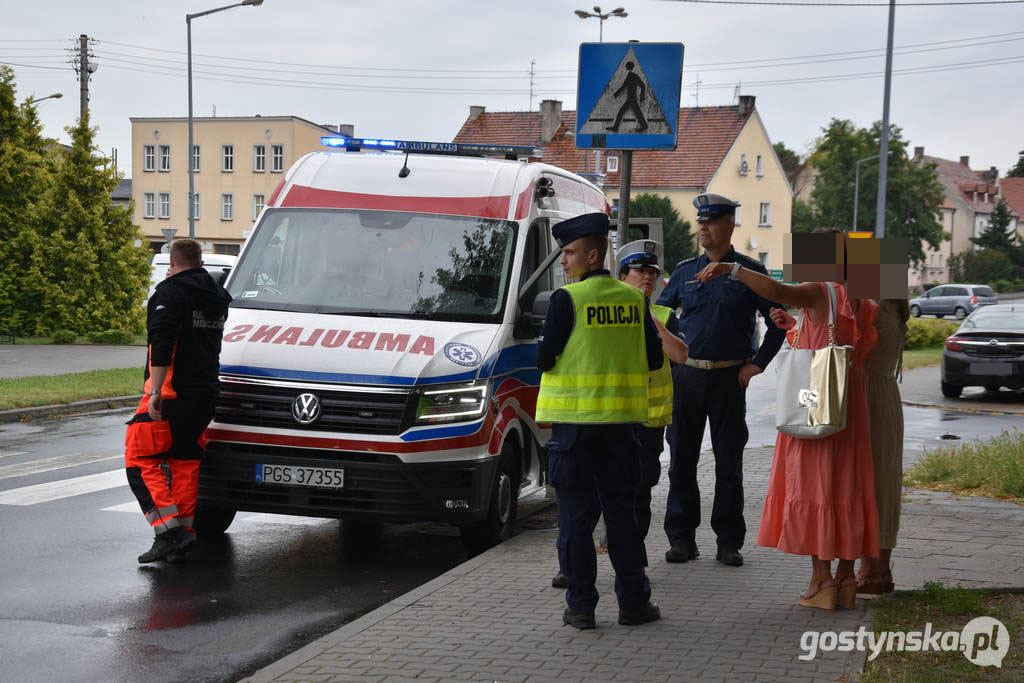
(991, 368)
(295, 475)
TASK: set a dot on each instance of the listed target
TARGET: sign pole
(625, 173)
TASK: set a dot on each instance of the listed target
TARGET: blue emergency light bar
(419, 147)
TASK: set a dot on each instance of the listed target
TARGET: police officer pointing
(597, 347)
(718, 318)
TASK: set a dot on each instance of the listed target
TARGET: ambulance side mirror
(530, 323)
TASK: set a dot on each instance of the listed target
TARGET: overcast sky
(410, 70)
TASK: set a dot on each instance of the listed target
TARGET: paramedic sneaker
(184, 543)
(164, 544)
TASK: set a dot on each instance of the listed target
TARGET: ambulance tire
(212, 521)
(499, 525)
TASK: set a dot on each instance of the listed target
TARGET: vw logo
(306, 408)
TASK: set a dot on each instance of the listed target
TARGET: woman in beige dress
(882, 366)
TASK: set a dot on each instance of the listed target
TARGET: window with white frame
(277, 158)
(736, 218)
(762, 256)
(195, 206)
(259, 158)
(744, 168)
(165, 158)
(148, 157)
(258, 202)
(227, 207)
(165, 205)
(759, 165)
(148, 205)
(227, 158)
(195, 158)
(613, 163)
(764, 218)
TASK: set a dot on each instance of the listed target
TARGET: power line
(851, 4)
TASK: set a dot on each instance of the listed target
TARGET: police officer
(639, 265)
(718, 319)
(596, 349)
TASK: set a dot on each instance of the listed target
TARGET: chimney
(746, 105)
(550, 119)
(347, 129)
(918, 152)
(966, 161)
(474, 111)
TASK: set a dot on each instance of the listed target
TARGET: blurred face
(716, 233)
(577, 260)
(643, 279)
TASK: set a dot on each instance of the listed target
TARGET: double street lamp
(617, 12)
(191, 142)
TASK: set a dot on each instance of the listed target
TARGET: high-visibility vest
(659, 391)
(601, 376)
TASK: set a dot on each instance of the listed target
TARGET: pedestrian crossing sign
(627, 96)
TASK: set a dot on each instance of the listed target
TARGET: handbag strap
(833, 304)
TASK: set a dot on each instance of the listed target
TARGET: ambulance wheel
(500, 522)
(212, 521)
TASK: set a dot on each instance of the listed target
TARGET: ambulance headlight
(452, 403)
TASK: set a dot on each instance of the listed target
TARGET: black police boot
(730, 557)
(184, 543)
(682, 551)
(559, 581)
(639, 615)
(163, 545)
(581, 620)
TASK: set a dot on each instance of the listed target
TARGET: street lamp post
(54, 96)
(617, 12)
(191, 142)
(856, 186)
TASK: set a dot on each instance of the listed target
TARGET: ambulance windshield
(385, 263)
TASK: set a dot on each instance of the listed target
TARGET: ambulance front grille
(347, 409)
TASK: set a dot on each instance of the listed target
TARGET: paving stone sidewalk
(496, 617)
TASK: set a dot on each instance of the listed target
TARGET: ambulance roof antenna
(404, 172)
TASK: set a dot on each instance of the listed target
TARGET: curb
(19, 414)
(955, 409)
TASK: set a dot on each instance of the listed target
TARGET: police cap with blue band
(574, 228)
(640, 254)
(712, 206)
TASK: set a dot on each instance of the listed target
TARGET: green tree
(679, 240)
(913, 195)
(804, 219)
(997, 235)
(984, 266)
(24, 177)
(1018, 170)
(86, 274)
(789, 159)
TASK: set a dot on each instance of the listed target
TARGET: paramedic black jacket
(184, 328)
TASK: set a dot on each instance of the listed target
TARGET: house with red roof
(1012, 190)
(724, 149)
(970, 197)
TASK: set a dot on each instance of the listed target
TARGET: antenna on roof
(696, 95)
(532, 62)
(736, 91)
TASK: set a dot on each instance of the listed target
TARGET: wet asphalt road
(75, 605)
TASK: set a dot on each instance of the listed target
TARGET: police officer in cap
(597, 346)
(719, 322)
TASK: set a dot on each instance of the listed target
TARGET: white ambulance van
(378, 362)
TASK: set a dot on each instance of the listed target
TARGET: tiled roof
(1013, 193)
(960, 181)
(704, 137)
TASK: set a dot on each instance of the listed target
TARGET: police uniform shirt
(718, 315)
(561, 319)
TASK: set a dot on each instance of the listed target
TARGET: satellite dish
(753, 241)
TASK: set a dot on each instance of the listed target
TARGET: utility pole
(85, 69)
(883, 164)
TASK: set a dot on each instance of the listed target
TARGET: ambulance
(378, 362)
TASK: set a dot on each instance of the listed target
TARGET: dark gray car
(954, 300)
(987, 351)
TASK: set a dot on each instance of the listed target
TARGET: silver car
(954, 300)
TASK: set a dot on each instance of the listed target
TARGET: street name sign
(627, 96)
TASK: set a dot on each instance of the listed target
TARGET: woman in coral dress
(821, 495)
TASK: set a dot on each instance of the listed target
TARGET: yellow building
(725, 150)
(238, 161)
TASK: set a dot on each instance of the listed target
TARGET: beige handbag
(813, 384)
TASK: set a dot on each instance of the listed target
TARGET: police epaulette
(689, 260)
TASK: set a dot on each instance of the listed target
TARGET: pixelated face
(642, 278)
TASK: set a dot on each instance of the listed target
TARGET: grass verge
(918, 358)
(140, 340)
(947, 610)
(993, 468)
(25, 392)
